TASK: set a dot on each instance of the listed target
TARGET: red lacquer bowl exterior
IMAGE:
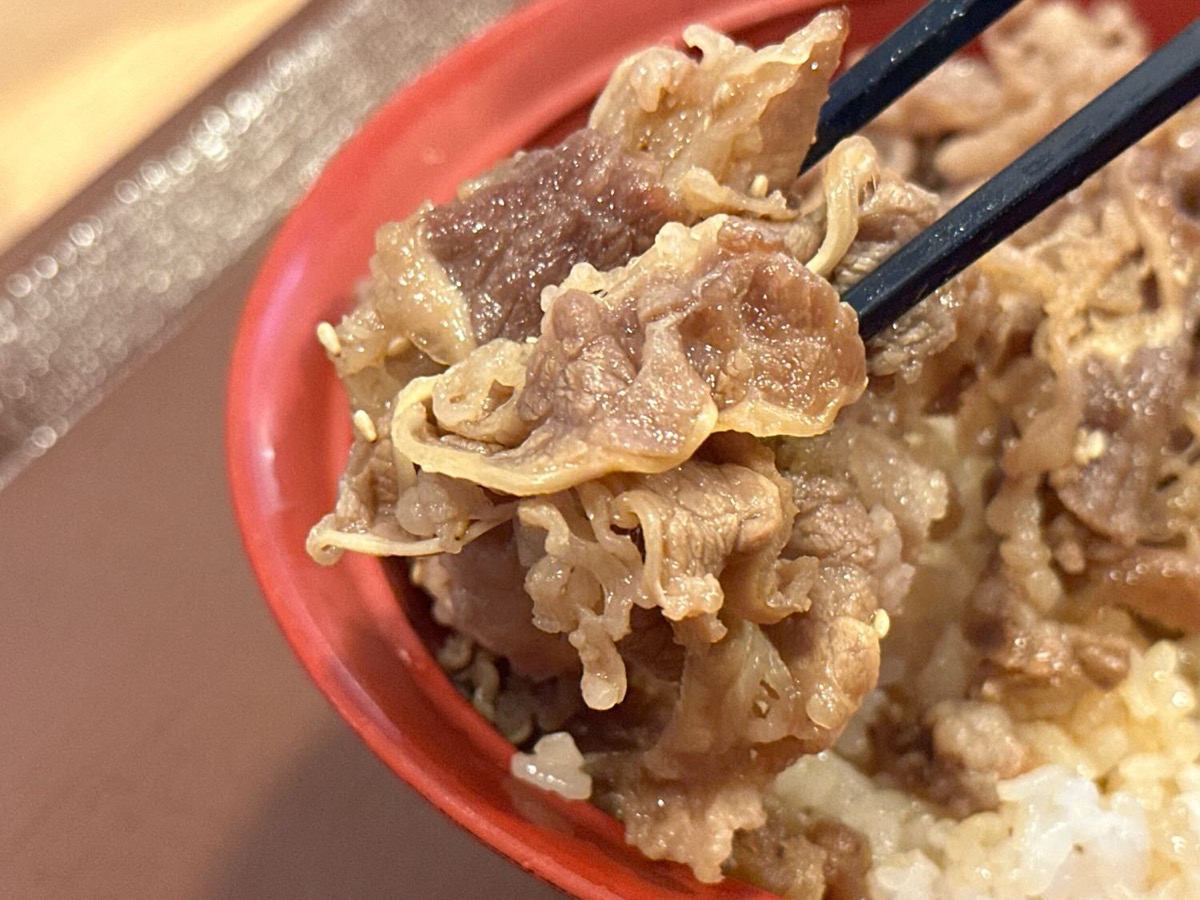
(524, 81)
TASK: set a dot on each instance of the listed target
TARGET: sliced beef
(1130, 409)
(746, 704)
(524, 226)
(1158, 583)
(692, 523)
(1021, 647)
(803, 858)
(847, 858)
(955, 754)
(732, 117)
(891, 212)
(780, 859)
(480, 592)
(715, 328)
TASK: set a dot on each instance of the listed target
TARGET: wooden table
(83, 81)
(157, 738)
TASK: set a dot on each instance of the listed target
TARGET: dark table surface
(157, 738)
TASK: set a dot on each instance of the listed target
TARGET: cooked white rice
(1111, 810)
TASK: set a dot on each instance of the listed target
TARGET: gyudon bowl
(365, 634)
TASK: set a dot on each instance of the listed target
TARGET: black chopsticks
(1115, 120)
(902, 59)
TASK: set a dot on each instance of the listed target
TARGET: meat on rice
(839, 620)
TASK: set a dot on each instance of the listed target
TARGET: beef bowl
(633, 515)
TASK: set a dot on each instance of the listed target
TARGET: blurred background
(83, 81)
(157, 737)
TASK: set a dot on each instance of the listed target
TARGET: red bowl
(524, 81)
